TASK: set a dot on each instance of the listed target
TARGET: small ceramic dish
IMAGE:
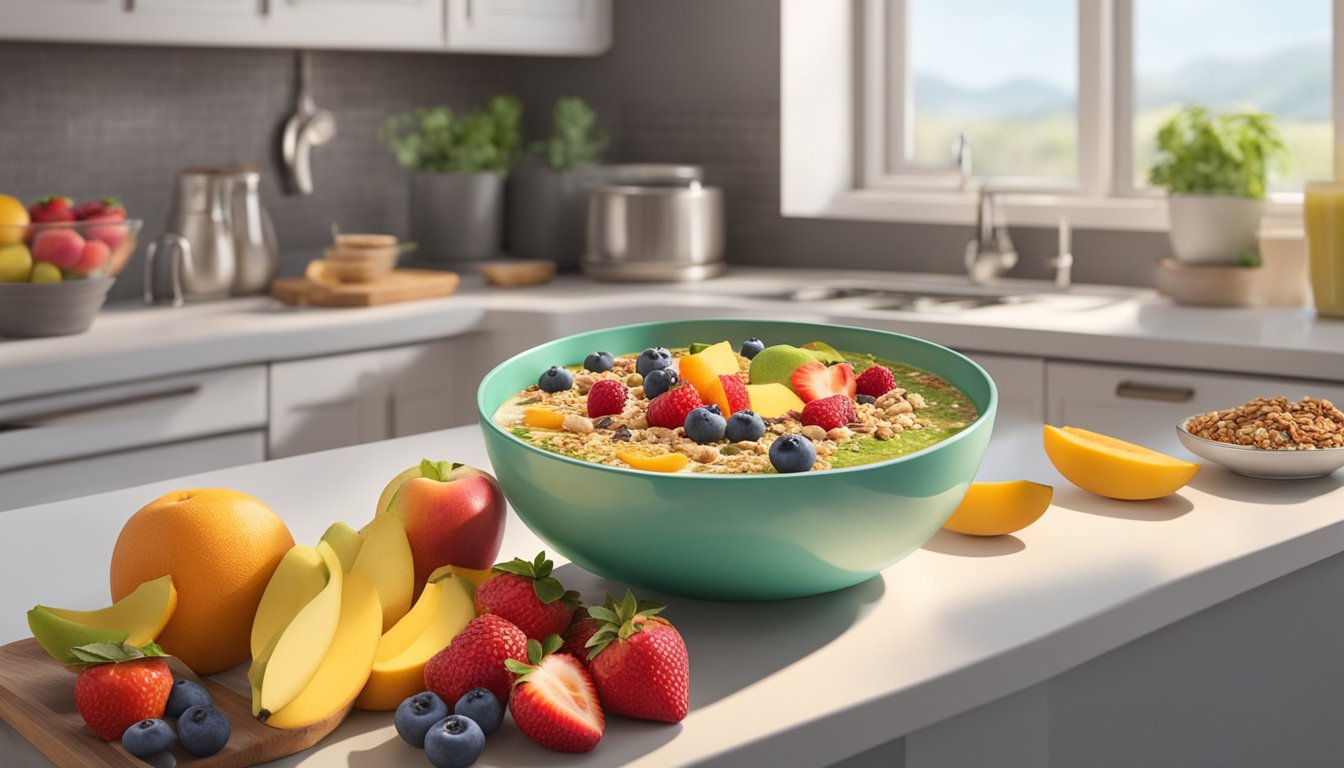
(1261, 463)
(361, 265)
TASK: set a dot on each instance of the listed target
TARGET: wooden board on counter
(37, 698)
(401, 285)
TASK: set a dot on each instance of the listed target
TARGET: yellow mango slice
(995, 509)
(699, 373)
(772, 400)
(667, 462)
(720, 357)
(1114, 468)
(543, 418)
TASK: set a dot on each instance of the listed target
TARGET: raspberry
(606, 398)
(829, 412)
(876, 381)
(670, 408)
(738, 397)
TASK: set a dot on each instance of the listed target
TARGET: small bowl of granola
(619, 448)
(1270, 438)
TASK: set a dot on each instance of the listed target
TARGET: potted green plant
(1216, 171)
(547, 195)
(457, 165)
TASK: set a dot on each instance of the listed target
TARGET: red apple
(453, 515)
(60, 247)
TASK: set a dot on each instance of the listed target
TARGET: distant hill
(1293, 83)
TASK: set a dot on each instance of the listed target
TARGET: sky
(978, 43)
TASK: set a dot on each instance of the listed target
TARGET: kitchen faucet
(991, 253)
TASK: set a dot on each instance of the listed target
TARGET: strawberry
(738, 398)
(829, 412)
(554, 702)
(814, 381)
(576, 637)
(103, 209)
(607, 398)
(670, 408)
(528, 596)
(876, 381)
(475, 659)
(51, 208)
(639, 661)
(120, 685)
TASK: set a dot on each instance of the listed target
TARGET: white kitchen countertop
(957, 624)
(1096, 323)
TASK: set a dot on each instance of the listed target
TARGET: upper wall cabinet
(574, 27)
(540, 27)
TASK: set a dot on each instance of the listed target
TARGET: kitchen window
(1059, 101)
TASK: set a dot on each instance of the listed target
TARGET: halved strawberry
(670, 408)
(554, 702)
(738, 397)
(815, 380)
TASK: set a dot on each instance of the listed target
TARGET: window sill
(1137, 214)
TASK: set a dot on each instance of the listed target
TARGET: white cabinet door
(327, 402)
(1143, 405)
(433, 386)
(88, 21)
(548, 27)
(1021, 385)
(377, 24)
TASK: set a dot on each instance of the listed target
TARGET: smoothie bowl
(802, 472)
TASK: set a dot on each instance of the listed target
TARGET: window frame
(1102, 196)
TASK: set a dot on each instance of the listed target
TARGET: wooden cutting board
(37, 698)
(400, 285)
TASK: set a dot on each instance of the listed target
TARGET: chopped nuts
(578, 424)
(1274, 424)
(814, 433)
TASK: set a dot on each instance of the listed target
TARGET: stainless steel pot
(653, 223)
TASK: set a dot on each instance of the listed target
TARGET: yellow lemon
(13, 220)
(993, 509)
(1114, 468)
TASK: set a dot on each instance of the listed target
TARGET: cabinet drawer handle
(1140, 391)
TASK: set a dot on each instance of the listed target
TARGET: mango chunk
(697, 371)
(667, 462)
(543, 418)
(1114, 468)
(773, 400)
(720, 357)
(995, 509)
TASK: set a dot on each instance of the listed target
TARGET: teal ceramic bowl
(736, 537)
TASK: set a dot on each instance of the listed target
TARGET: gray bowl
(1260, 463)
(55, 309)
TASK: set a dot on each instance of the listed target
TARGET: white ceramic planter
(1212, 229)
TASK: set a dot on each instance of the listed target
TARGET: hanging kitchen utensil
(308, 127)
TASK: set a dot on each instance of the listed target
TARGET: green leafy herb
(575, 139)
(436, 139)
(113, 653)
(1230, 154)
(1249, 258)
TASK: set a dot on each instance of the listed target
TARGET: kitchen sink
(928, 299)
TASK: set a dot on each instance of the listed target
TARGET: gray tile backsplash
(693, 82)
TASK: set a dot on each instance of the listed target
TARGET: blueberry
(598, 362)
(203, 731)
(480, 705)
(750, 347)
(416, 715)
(865, 399)
(704, 425)
(744, 425)
(148, 738)
(659, 381)
(555, 379)
(184, 695)
(652, 359)
(454, 742)
(792, 453)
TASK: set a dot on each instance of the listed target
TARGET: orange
(1114, 468)
(13, 221)
(995, 509)
(220, 547)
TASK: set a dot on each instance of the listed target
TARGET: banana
(345, 668)
(346, 541)
(385, 560)
(291, 659)
(298, 578)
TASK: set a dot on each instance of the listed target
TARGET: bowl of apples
(58, 260)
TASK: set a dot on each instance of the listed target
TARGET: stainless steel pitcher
(219, 238)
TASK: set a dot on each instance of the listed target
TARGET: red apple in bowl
(453, 515)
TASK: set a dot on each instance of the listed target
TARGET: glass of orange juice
(1324, 215)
